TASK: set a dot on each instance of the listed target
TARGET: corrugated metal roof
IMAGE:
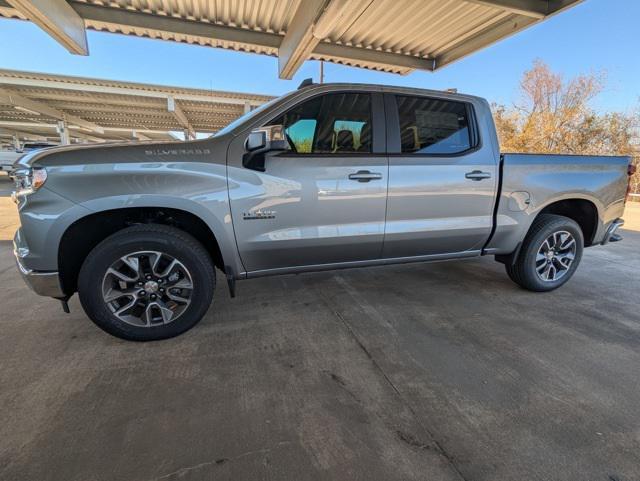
(118, 107)
(390, 35)
(59, 81)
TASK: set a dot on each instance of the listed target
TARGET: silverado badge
(259, 214)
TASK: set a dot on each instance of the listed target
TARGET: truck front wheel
(550, 254)
(147, 282)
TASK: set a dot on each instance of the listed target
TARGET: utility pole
(321, 71)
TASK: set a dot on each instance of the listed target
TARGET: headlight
(27, 181)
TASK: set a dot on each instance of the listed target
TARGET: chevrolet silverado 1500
(326, 177)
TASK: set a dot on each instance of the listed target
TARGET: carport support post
(16, 142)
(63, 132)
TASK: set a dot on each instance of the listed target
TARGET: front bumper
(44, 283)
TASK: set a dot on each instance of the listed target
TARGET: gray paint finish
(189, 176)
(551, 178)
(420, 208)
(321, 215)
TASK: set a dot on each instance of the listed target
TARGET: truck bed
(531, 182)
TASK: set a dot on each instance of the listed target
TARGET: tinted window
(332, 123)
(433, 126)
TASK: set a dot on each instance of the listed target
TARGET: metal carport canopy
(390, 35)
(36, 105)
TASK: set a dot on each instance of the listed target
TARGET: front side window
(433, 126)
(338, 123)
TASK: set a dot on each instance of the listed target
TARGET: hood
(123, 152)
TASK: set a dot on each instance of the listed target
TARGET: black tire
(523, 271)
(148, 237)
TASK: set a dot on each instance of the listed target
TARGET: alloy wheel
(147, 288)
(555, 256)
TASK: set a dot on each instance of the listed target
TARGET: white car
(7, 158)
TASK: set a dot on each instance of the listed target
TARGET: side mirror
(256, 140)
(261, 141)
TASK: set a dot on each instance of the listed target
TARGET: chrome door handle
(365, 176)
(477, 175)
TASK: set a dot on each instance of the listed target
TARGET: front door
(321, 202)
(442, 184)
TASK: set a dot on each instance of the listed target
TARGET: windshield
(246, 117)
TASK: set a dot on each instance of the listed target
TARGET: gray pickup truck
(326, 177)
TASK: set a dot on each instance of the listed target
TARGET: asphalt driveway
(442, 371)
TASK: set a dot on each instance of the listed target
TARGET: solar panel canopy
(37, 106)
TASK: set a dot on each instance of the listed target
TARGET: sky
(595, 36)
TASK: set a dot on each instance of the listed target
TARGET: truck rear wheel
(550, 254)
(147, 282)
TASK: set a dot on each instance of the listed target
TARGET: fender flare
(219, 223)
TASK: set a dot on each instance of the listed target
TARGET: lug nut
(142, 293)
(153, 296)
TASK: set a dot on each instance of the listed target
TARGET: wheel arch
(81, 236)
(584, 210)
(581, 210)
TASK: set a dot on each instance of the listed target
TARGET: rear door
(442, 183)
(323, 201)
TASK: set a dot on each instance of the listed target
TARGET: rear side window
(433, 126)
(337, 123)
